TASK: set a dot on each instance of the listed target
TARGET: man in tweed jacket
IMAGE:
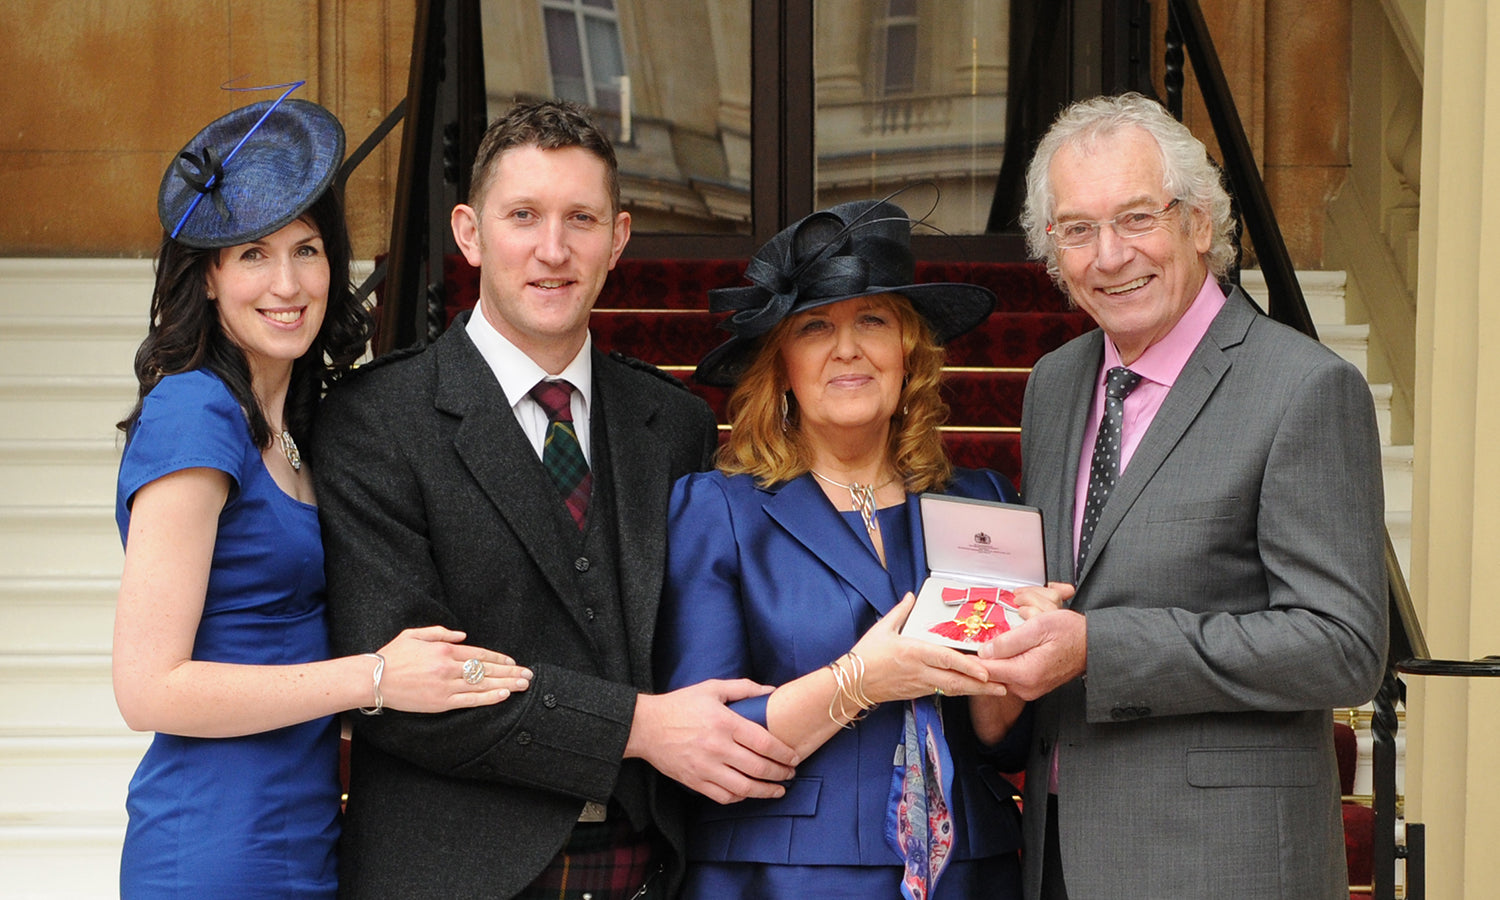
(437, 508)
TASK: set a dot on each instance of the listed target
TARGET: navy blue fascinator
(851, 250)
(250, 172)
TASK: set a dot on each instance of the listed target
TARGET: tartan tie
(1105, 467)
(562, 457)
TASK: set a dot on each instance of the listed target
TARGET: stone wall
(101, 94)
(1288, 65)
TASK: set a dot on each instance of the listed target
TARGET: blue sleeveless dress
(254, 816)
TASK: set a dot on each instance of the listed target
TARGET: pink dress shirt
(1158, 367)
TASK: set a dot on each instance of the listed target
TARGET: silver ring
(473, 671)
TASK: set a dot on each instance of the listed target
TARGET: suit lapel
(919, 539)
(801, 508)
(1049, 470)
(500, 458)
(1204, 370)
(641, 475)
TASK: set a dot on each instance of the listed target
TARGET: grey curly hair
(1187, 173)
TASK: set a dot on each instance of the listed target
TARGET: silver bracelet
(379, 699)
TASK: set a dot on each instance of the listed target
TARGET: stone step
(1396, 464)
(79, 289)
(68, 345)
(1323, 292)
(61, 855)
(60, 615)
(1381, 394)
(90, 775)
(59, 541)
(62, 472)
(1352, 342)
(64, 407)
(57, 697)
(1398, 526)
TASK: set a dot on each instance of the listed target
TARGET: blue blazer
(770, 584)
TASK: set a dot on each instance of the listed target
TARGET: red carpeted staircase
(657, 310)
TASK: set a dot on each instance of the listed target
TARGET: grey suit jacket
(1235, 592)
(436, 510)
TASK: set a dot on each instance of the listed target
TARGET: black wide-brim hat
(851, 250)
(250, 173)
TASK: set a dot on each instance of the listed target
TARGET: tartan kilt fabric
(602, 861)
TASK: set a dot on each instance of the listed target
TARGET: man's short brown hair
(546, 125)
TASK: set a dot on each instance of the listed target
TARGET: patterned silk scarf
(918, 823)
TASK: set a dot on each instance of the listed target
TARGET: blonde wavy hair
(775, 451)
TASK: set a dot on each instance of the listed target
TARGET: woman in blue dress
(788, 566)
(220, 641)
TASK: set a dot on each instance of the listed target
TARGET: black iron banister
(371, 141)
(445, 116)
(1284, 302)
(403, 316)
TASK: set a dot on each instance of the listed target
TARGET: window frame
(782, 154)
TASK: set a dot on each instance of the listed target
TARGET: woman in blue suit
(788, 565)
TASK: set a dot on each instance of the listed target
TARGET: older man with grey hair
(1210, 482)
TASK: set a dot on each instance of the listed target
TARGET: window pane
(915, 100)
(605, 63)
(604, 49)
(565, 56)
(900, 59)
(672, 89)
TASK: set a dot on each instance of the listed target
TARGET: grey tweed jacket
(436, 509)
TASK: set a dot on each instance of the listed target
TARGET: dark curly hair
(185, 332)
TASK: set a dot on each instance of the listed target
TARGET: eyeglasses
(1072, 234)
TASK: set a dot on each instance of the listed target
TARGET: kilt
(602, 861)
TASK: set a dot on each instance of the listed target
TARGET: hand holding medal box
(978, 553)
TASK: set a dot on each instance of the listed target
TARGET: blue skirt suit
(770, 584)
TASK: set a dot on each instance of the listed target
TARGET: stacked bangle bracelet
(379, 698)
(850, 691)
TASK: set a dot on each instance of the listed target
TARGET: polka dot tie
(1105, 468)
(562, 456)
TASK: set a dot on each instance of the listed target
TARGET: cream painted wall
(1453, 782)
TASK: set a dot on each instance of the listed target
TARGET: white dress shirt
(519, 373)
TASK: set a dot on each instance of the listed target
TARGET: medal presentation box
(978, 553)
